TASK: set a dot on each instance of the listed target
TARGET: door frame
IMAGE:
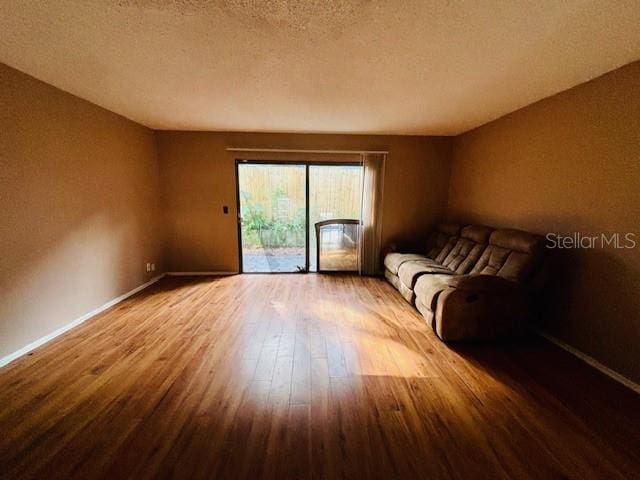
(307, 164)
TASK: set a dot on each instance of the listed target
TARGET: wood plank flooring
(303, 376)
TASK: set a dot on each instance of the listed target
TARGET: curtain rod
(285, 150)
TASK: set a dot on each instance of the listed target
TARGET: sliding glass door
(279, 205)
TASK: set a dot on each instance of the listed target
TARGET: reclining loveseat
(471, 282)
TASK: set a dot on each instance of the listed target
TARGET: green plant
(259, 230)
(253, 216)
(299, 221)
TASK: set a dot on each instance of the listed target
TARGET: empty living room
(304, 239)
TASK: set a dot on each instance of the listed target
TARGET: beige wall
(569, 163)
(199, 178)
(79, 217)
(89, 197)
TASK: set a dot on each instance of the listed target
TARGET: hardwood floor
(303, 376)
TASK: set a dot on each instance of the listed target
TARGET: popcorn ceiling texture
(314, 15)
(389, 66)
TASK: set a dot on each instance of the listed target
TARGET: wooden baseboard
(65, 328)
(591, 361)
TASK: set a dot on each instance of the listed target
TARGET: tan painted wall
(82, 190)
(79, 218)
(569, 163)
(199, 178)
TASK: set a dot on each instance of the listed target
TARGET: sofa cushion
(446, 250)
(463, 255)
(393, 260)
(428, 287)
(516, 240)
(393, 279)
(511, 254)
(468, 248)
(409, 272)
(427, 313)
(491, 260)
(439, 237)
(435, 243)
(477, 233)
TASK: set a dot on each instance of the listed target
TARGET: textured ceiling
(358, 66)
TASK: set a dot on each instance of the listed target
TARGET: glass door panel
(338, 242)
(273, 227)
(335, 192)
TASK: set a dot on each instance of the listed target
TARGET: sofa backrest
(511, 254)
(467, 249)
(441, 240)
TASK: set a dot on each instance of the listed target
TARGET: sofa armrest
(481, 307)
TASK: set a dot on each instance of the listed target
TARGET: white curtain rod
(284, 150)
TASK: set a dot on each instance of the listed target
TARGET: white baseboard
(592, 362)
(65, 328)
(199, 274)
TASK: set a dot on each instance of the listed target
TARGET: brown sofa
(472, 282)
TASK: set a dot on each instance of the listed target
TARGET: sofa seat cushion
(393, 279)
(409, 272)
(427, 313)
(428, 287)
(393, 260)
